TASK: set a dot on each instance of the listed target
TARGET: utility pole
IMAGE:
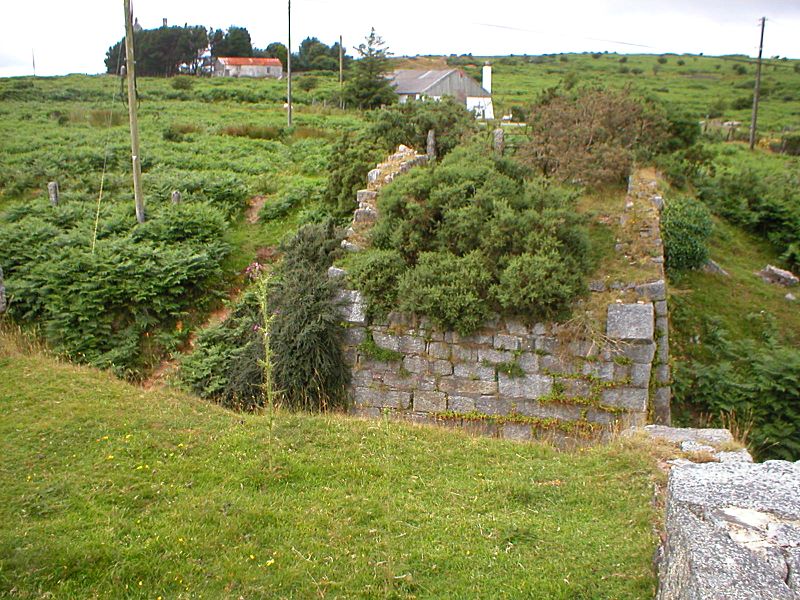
(757, 90)
(341, 74)
(137, 163)
(289, 68)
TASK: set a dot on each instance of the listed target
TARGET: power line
(579, 37)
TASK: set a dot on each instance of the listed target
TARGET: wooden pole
(52, 191)
(757, 90)
(135, 158)
(289, 68)
(341, 74)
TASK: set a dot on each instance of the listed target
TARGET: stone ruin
(510, 378)
(732, 527)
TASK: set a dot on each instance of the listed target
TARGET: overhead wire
(105, 156)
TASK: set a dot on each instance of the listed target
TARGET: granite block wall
(511, 378)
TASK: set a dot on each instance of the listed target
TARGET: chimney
(487, 77)
(164, 23)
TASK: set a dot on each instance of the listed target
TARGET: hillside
(112, 491)
(719, 87)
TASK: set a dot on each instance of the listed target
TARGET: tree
(275, 50)
(162, 52)
(234, 42)
(368, 86)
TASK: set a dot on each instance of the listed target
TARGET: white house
(433, 84)
(236, 66)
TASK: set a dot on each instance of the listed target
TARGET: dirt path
(254, 206)
(168, 368)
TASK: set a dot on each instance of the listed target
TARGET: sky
(64, 37)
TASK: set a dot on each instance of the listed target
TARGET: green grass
(695, 86)
(110, 491)
(698, 295)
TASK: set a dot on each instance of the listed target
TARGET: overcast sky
(72, 37)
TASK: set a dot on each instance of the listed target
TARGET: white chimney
(487, 77)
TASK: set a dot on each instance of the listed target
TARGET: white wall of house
(481, 106)
(262, 71)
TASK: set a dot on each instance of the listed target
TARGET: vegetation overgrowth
(112, 491)
(470, 235)
(734, 336)
(111, 293)
(305, 335)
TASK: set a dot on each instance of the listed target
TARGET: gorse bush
(355, 154)
(308, 368)
(306, 335)
(377, 273)
(468, 236)
(686, 226)
(452, 290)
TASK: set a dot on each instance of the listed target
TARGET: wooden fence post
(52, 190)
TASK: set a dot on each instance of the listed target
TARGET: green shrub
(355, 154)
(457, 226)
(308, 368)
(538, 286)
(223, 364)
(453, 291)
(756, 382)
(790, 143)
(306, 334)
(765, 200)
(182, 83)
(377, 273)
(742, 103)
(685, 226)
(297, 193)
(662, 60)
(177, 132)
(740, 69)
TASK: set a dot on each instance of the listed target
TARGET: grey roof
(411, 81)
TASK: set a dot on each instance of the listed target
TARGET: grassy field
(109, 491)
(218, 132)
(697, 84)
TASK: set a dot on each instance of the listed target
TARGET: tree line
(168, 51)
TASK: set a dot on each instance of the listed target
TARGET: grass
(110, 491)
(696, 86)
(698, 295)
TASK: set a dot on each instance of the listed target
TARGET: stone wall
(605, 368)
(732, 527)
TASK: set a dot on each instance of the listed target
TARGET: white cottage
(243, 66)
(433, 84)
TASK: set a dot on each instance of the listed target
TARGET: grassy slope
(108, 491)
(697, 84)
